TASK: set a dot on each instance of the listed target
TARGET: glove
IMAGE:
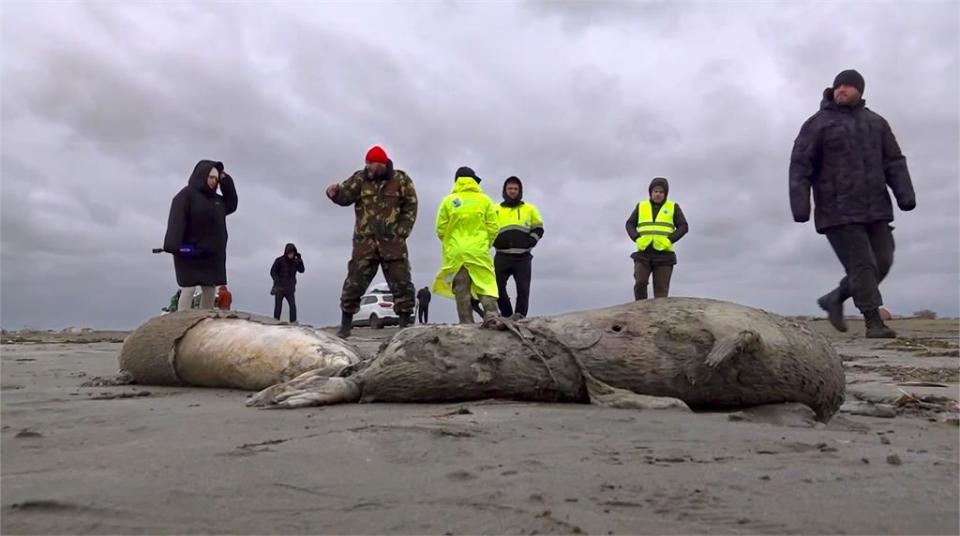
(186, 250)
(908, 205)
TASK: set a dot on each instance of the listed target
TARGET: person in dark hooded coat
(848, 156)
(284, 274)
(197, 232)
(655, 225)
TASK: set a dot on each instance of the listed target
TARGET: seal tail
(312, 388)
(728, 346)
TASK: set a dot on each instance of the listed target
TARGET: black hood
(662, 182)
(827, 102)
(198, 179)
(289, 248)
(507, 202)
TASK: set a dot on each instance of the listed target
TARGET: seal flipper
(603, 394)
(726, 347)
(312, 388)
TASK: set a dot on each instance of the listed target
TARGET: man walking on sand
(847, 154)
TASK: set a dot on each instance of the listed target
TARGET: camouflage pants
(361, 271)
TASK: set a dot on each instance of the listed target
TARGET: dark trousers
(423, 313)
(278, 304)
(361, 271)
(641, 276)
(866, 252)
(517, 266)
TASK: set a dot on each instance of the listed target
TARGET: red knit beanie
(377, 154)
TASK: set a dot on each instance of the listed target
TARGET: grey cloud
(106, 108)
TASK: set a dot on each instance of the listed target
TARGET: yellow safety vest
(657, 231)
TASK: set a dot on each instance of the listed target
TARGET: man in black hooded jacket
(284, 274)
(521, 228)
(655, 225)
(848, 156)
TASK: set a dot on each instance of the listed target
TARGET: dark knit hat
(851, 78)
(464, 171)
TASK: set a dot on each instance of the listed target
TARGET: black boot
(834, 308)
(406, 319)
(346, 323)
(876, 329)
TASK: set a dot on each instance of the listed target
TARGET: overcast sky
(107, 106)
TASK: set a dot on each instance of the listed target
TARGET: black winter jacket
(284, 270)
(848, 156)
(198, 217)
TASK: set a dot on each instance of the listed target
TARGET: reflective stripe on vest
(518, 218)
(655, 231)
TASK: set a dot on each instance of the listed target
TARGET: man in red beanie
(385, 203)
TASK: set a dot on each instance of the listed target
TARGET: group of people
(468, 224)
(845, 154)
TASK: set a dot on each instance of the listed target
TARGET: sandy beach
(144, 459)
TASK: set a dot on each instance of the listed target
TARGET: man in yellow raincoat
(467, 226)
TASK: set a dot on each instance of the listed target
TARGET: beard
(377, 175)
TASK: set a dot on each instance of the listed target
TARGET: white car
(376, 311)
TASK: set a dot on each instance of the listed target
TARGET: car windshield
(387, 297)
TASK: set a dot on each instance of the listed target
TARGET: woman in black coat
(197, 232)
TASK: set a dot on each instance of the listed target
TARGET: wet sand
(143, 459)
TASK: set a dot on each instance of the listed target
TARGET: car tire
(375, 322)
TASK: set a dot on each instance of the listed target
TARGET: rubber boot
(490, 308)
(834, 307)
(464, 311)
(346, 324)
(406, 319)
(876, 329)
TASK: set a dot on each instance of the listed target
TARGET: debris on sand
(869, 409)
(125, 394)
(122, 378)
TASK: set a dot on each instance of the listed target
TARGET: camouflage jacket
(386, 211)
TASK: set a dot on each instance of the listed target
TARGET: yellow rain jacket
(467, 226)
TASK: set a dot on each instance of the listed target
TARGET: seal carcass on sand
(705, 353)
(211, 348)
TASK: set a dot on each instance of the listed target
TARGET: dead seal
(650, 353)
(210, 348)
